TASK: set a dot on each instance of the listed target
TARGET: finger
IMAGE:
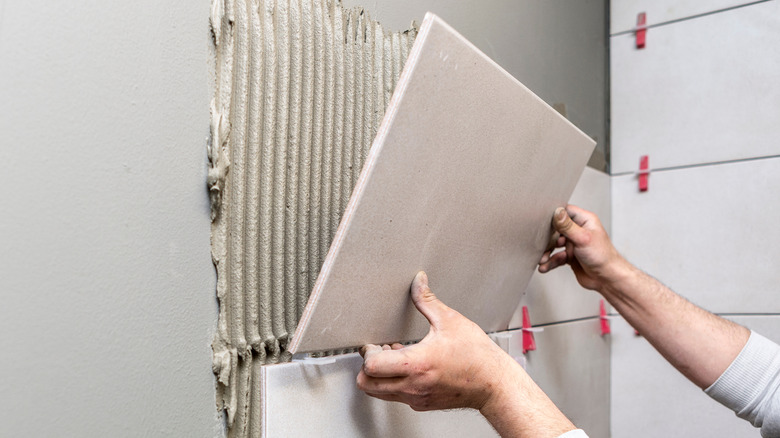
(558, 259)
(426, 302)
(582, 217)
(385, 363)
(381, 385)
(385, 347)
(545, 257)
(568, 228)
(553, 240)
(386, 397)
(397, 346)
(364, 349)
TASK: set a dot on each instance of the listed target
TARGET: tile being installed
(623, 13)
(707, 232)
(652, 399)
(461, 181)
(556, 296)
(702, 91)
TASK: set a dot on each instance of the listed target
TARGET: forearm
(519, 408)
(696, 342)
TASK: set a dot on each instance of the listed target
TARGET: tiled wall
(701, 100)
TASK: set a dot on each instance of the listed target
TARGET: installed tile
(322, 400)
(707, 232)
(462, 180)
(571, 364)
(556, 296)
(702, 91)
(652, 399)
(623, 13)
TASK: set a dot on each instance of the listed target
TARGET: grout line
(690, 17)
(585, 318)
(690, 166)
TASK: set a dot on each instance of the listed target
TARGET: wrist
(614, 276)
(518, 407)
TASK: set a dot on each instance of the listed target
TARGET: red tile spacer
(644, 173)
(605, 330)
(528, 335)
(641, 30)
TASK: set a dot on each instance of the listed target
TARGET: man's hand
(587, 249)
(455, 366)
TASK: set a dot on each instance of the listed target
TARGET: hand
(587, 249)
(456, 365)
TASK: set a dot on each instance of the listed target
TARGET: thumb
(425, 301)
(566, 226)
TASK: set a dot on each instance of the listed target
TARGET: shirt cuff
(576, 433)
(746, 380)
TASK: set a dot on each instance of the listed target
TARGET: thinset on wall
(301, 88)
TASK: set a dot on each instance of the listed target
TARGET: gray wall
(557, 48)
(108, 292)
(108, 303)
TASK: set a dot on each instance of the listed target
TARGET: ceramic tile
(556, 296)
(702, 91)
(326, 398)
(623, 13)
(571, 364)
(707, 232)
(461, 181)
(651, 399)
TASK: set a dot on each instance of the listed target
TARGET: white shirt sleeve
(577, 433)
(750, 385)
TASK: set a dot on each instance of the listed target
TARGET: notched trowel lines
(302, 86)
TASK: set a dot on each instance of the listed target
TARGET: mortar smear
(301, 88)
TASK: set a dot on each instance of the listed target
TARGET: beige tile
(556, 296)
(461, 181)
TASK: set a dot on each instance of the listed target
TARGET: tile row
(701, 91)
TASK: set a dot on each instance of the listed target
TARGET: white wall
(108, 303)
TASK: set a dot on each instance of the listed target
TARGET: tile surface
(326, 398)
(556, 296)
(652, 399)
(571, 365)
(458, 183)
(708, 232)
(703, 91)
(623, 12)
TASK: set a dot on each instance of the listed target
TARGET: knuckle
(370, 367)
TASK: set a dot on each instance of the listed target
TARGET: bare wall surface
(107, 283)
(556, 48)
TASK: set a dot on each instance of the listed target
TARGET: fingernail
(422, 277)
